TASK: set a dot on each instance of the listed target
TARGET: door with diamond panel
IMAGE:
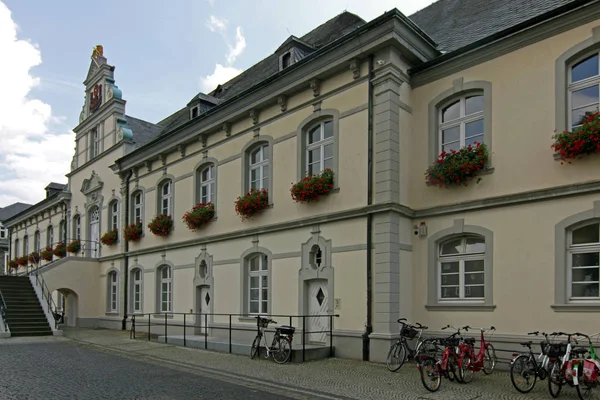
(204, 301)
(318, 300)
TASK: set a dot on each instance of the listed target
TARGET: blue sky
(164, 53)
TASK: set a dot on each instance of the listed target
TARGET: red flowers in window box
(198, 216)
(60, 250)
(311, 187)
(161, 225)
(583, 140)
(458, 167)
(13, 264)
(133, 232)
(110, 237)
(34, 258)
(22, 261)
(47, 254)
(74, 246)
(251, 203)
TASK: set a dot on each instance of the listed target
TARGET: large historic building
(377, 103)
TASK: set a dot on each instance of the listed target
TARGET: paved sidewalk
(327, 379)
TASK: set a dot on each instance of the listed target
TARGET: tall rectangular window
(137, 207)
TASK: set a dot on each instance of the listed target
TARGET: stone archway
(67, 302)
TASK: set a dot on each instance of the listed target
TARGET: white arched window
(584, 88)
(136, 285)
(37, 241)
(461, 268)
(113, 215)
(166, 198)
(137, 200)
(206, 184)
(50, 236)
(113, 291)
(319, 147)
(77, 227)
(461, 123)
(165, 289)
(583, 258)
(258, 167)
(258, 283)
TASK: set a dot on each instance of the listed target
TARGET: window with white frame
(16, 248)
(3, 232)
(319, 147)
(258, 168)
(60, 302)
(25, 245)
(62, 231)
(584, 88)
(113, 291)
(37, 243)
(95, 145)
(77, 227)
(461, 262)
(165, 289)
(137, 207)
(206, 184)
(114, 215)
(461, 123)
(166, 198)
(136, 285)
(50, 236)
(258, 284)
(583, 257)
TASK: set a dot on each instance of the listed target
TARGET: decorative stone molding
(282, 101)
(163, 159)
(254, 115)
(93, 184)
(227, 128)
(315, 86)
(148, 166)
(203, 140)
(317, 106)
(355, 68)
(181, 149)
(256, 132)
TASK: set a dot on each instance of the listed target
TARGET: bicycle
(281, 347)
(432, 367)
(400, 351)
(524, 365)
(558, 374)
(588, 370)
(471, 362)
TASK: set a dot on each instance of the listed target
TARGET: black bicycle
(525, 370)
(400, 351)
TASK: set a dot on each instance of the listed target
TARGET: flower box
(60, 250)
(251, 203)
(161, 225)
(133, 232)
(311, 187)
(74, 247)
(34, 258)
(582, 141)
(458, 167)
(199, 216)
(13, 264)
(110, 237)
(47, 254)
(22, 261)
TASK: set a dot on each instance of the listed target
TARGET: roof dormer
(201, 103)
(292, 51)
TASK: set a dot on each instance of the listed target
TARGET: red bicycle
(470, 362)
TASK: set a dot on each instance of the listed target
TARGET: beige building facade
(376, 103)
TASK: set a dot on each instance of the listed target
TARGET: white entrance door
(317, 305)
(204, 301)
(94, 232)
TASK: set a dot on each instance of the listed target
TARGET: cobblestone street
(105, 364)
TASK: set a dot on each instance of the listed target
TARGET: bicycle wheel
(396, 356)
(555, 379)
(490, 359)
(282, 350)
(465, 373)
(452, 368)
(430, 374)
(522, 373)
(588, 390)
(254, 350)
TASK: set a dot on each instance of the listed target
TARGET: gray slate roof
(143, 131)
(12, 210)
(457, 23)
(56, 186)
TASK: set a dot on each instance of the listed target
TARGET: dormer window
(285, 60)
(195, 112)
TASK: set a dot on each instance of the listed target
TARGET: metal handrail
(47, 296)
(3, 309)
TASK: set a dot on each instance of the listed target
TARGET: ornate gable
(93, 184)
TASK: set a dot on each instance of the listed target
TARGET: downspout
(368, 327)
(125, 256)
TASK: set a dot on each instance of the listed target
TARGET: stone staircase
(24, 314)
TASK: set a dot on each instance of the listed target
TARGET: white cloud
(220, 75)
(223, 73)
(31, 156)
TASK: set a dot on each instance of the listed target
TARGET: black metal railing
(47, 297)
(3, 311)
(204, 317)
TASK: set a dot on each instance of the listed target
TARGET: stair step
(22, 334)
(29, 328)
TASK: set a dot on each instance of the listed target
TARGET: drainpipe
(125, 251)
(366, 347)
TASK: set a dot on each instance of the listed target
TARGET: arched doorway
(67, 302)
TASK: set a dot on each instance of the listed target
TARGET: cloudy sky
(164, 53)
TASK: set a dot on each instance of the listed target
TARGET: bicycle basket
(451, 342)
(557, 350)
(286, 330)
(264, 322)
(544, 346)
(408, 332)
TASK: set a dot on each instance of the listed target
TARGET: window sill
(247, 319)
(460, 307)
(109, 313)
(486, 171)
(162, 316)
(574, 307)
